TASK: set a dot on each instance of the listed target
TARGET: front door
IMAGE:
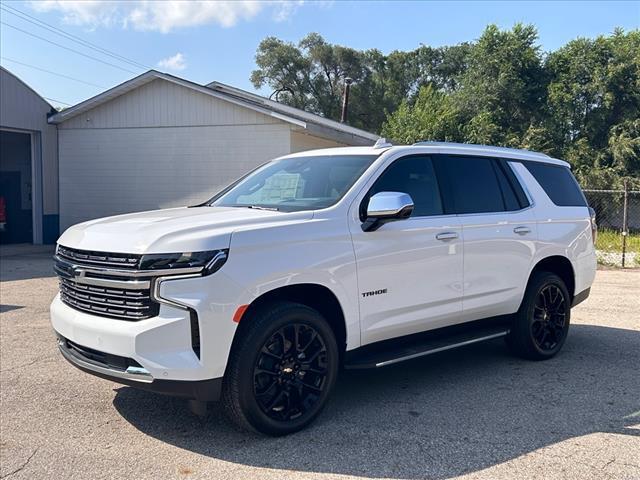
(409, 271)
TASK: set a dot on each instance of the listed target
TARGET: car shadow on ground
(437, 417)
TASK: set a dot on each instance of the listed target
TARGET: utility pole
(345, 99)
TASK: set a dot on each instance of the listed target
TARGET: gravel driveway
(470, 413)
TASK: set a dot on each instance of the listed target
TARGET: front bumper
(90, 361)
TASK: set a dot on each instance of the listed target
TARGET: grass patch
(611, 241)
(609, 247)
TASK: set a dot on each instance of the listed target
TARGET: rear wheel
(282, 369)
(541, 325)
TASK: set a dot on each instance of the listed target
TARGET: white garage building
(160, 141)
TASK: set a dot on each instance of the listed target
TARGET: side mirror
(386, 207)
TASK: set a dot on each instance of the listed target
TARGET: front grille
(101, 293)
(99, 259)
(109, 302)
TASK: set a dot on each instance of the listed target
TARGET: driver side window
(414, 175)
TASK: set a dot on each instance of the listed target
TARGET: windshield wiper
(258, 207)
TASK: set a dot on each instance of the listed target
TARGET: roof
(476, 147)
(26, 86)
(314, 124)
(442, 148)
(287, 110)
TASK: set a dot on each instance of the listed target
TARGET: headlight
(209, 261)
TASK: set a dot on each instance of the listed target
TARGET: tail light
(594, 225)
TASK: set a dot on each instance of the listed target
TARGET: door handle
(522, 230)
(447, 236)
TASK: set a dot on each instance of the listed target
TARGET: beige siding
(23, 109)
(301, 142)
(160, 103)
(110, 171)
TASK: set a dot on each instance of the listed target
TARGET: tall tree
(310, 75)
(502, 91)
(580, 103)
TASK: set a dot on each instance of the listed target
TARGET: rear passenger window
(512, 200)
(472, 184)
(413, 175)
(558, 182)
(523, 200)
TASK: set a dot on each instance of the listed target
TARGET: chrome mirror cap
(386, 207)
(390, 205)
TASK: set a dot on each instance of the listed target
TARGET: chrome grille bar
(103, 300)
(99, 258)
(102, 311)
(105, 284)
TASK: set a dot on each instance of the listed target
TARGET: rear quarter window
(559, 184)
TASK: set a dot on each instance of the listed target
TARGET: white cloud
(91, 13)
(285, 9)
(175, 63)
(164, 16)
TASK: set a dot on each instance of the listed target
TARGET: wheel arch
(560, 266)
(313, 295)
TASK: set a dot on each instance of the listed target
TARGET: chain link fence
(618, 219)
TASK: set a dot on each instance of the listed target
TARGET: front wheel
(541, 325)
(282, 369)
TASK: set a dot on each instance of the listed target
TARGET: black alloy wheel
(290, 372)
(281, 370)
(549, 318)
(541, 325)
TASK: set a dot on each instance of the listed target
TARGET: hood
(171, 230)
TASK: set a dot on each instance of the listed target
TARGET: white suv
(349, 257)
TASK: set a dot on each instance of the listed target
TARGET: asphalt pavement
(471, 413)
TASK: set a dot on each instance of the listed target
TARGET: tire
(541, 325)
(274, 384)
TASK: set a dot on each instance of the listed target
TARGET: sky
(206, 41)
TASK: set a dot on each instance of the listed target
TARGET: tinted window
(558, 182)
(415, 176)
(515, 184)
(508, 192)
(472, 184)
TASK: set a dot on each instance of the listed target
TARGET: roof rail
(382, 143)
(481, 147)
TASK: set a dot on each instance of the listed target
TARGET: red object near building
(3, 214)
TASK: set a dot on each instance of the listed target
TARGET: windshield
(294, 184)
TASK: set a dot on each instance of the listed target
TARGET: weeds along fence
(618, 219)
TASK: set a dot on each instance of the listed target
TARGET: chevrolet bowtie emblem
(77, 272)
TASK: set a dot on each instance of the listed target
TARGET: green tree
(430, 117)
(310, 75)
(502, 91)
(580, 102)
(593, 104)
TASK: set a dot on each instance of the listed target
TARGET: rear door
(499, 230)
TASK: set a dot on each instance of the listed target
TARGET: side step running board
(388, 353)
